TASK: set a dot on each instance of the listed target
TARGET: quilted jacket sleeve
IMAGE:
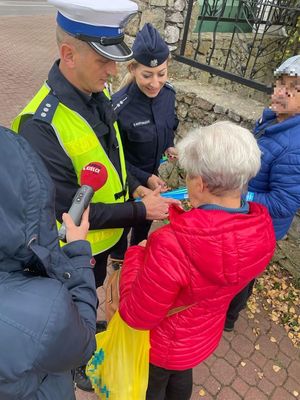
(68, 339)
(151, 280)
(281, 169)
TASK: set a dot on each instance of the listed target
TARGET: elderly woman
(195, 265)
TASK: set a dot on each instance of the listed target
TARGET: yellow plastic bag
(119, 369)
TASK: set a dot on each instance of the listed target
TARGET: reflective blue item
(249, 196)
(177, 194)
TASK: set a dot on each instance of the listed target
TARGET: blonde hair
(128, 78)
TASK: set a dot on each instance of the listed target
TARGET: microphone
(92, 177)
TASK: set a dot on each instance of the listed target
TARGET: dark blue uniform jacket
(147, 127)
(277, 185)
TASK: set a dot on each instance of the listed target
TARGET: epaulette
(120, 103)
(46, 109)
(170, 86)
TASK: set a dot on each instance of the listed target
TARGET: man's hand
(155, 182)
(74, 232)
(157, 207)
(141, 191)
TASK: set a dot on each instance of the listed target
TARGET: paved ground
(245, 364)
(25, 7)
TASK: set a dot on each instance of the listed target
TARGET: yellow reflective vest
(81, 144)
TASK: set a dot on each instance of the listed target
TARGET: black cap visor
(117, 52)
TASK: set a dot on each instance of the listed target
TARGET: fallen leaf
(202, 393)
(276, 368)
(272, 339)
(243, 363)
(295, 393)
(257, 347)
(260, 375)
(256, 331)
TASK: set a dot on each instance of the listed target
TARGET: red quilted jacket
(202, 258)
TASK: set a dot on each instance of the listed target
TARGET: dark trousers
(238, 303)
(167, 384)
(119, 250)
(100, 267)
(138, 233)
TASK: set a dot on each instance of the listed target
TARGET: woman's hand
(74, 232)
(155, 182)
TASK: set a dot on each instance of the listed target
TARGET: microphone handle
(80, 202)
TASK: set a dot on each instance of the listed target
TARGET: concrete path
(248, 364)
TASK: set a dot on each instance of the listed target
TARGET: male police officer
(70, 122)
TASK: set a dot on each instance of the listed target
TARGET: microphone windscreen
(94, 174)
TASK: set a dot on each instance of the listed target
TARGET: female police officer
(145, 108)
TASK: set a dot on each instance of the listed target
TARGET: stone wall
(168, 17)
(199, 104)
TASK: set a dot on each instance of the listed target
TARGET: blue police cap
(100, 23)
(149, 48)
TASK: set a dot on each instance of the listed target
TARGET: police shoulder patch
(170, 86)
(46, 109)
(119, 103)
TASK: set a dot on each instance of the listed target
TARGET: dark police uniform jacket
(98, 112)
(147, 127)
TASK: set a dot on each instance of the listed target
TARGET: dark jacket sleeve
(43, 139)
(283, 174)
(133, 183)
(138, 173)
(71, 325)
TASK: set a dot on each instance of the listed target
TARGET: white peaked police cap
(100, 23)
(290, 67)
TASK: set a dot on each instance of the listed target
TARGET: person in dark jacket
(277, 184)
(145, 108)
(180, 282)
(48, 295)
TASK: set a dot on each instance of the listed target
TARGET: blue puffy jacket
(47, 295)
(277, 185)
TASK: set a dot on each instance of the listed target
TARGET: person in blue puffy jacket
(277, 184)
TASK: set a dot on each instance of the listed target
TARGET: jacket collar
(270, 124)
